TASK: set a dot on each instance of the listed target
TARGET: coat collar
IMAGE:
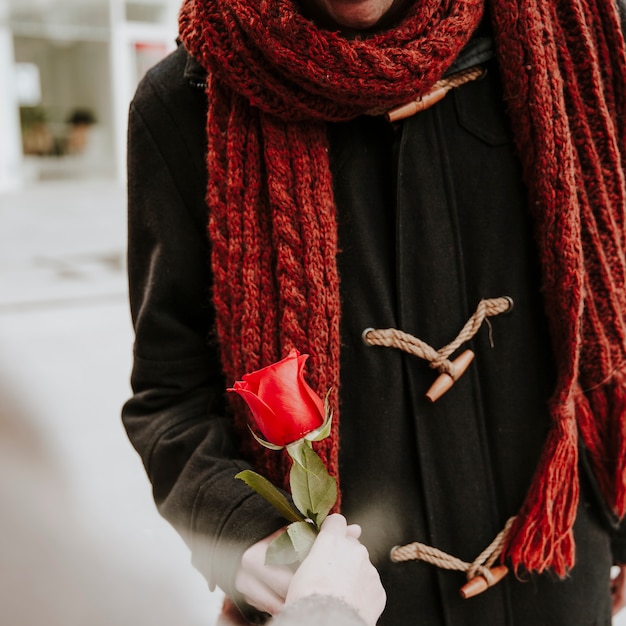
(194, 73)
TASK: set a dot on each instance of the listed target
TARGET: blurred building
(68, 69)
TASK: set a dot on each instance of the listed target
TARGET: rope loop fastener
(449, 371)
(481, 573)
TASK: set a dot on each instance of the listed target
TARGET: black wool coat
(432, 218)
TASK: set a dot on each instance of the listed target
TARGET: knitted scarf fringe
(274, 79)
(563, 78)
(602, 426)
(543, 537)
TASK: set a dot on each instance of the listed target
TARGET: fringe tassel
(601, 413)
(543, 537)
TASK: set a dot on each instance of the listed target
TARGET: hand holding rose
(288, 414)
(338, 565)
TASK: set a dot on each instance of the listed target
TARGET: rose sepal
(264, 443)
(324, 430)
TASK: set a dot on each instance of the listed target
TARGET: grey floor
(80, 539)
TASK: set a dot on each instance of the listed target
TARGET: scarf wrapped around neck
(275, 79)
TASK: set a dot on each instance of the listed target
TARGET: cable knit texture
(275, 79)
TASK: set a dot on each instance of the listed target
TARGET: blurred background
(80, 539)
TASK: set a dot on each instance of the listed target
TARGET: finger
(353, 531)
(274, 577)
(335, 524)
(278, 579)
(261, 598)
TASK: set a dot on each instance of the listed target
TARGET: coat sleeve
(176, 418)
(318, 610)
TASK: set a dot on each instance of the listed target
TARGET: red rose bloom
(283, 406)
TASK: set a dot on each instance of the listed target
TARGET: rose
(283, 405)
(289, 414)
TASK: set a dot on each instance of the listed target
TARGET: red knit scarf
(275, 79)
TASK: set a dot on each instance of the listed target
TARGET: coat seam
(166, 163)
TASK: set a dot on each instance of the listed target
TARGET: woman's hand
(339, 565)
(263, 586)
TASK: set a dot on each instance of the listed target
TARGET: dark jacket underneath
(432, 218)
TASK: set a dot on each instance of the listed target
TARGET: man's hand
(262, 586)
(339, 565)
(618, 590)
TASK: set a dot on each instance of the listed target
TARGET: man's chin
(356, 20)
(354, 14)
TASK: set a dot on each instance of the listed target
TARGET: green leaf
(302, 535)
(292, 546)
(273, 495)
(313, 490)
(281, 551)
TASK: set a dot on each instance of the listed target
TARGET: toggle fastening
(449, 371)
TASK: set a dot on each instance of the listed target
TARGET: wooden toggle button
(444, 381)
(417, 106)
(479, 583)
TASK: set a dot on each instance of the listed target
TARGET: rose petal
(284, 406)
(255, 378)
(305, 389)
(290, 397)
(264, 417)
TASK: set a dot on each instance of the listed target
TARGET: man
(405, 165)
